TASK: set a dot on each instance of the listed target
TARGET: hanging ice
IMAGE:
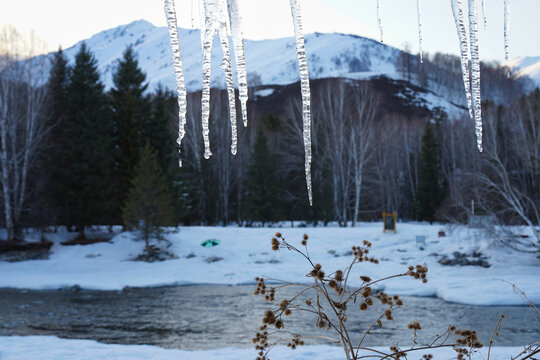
(210, 26)
(457, 9)
(379, 21)
(304, 83)
(227, 67)
(238, 43)
(475, 71)
(170, 13)
(506, 28)
(484, 14)
(192, 15)
(216, 19)
(419, 11)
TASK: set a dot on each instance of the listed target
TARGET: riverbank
(52, 347)
(244, 253)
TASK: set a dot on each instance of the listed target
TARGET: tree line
(87, 154)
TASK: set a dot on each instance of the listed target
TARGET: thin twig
(494, 334)
(522, 293)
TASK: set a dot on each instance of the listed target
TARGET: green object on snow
(210, 243)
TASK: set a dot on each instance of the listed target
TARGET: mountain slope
(268, 61)
(526, 66)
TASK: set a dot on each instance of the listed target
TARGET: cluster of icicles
(223, 17)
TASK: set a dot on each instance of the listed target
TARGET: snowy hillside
(526, 66)
(268, 61)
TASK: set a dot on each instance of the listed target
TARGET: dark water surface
(213, 316)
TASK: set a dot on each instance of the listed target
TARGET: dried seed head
(287, 312)
(366, 292)
(275, 244)
(369, 301)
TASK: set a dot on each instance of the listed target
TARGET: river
(214, 316)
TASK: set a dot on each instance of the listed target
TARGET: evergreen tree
(158, 128)
(430, 190)
(160, 131)
(57, 86)
(148, 206)
(57, 89)
(261, 187)
(131, 108)
(88, 146)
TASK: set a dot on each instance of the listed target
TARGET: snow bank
(246, 253)
(52, 347)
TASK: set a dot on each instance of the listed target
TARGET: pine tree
(261, 187)
(88, 145)
(160, 131)
(430, 189)
(148, 206)
(131, 109)
(158, 128)
(57, 89)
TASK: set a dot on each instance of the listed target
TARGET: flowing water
(214, 316)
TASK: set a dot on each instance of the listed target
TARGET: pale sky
(65, 22)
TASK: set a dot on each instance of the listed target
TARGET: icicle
(170, 13)
(192, 15)
(506, 28)
(202, 23)
(484, 14)
(238, 43)
(475, 71)
(227, 67)
(419, 11)
(210, 27)
(304, 82)
(457, 9)
(379, 21)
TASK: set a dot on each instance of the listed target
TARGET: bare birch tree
(22, 123)
(362, 140)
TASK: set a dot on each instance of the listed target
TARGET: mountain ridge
(269, 62)
(329, 55)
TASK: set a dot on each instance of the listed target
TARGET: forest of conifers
(377, 147)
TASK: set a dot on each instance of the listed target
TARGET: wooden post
(390, 224)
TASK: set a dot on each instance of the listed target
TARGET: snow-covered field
(245, 253)
(52, 347)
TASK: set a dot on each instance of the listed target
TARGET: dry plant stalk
(329, 298)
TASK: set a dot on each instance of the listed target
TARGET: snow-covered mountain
(268, 61)
(526, 66)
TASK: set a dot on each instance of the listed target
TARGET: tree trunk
(81, 235)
